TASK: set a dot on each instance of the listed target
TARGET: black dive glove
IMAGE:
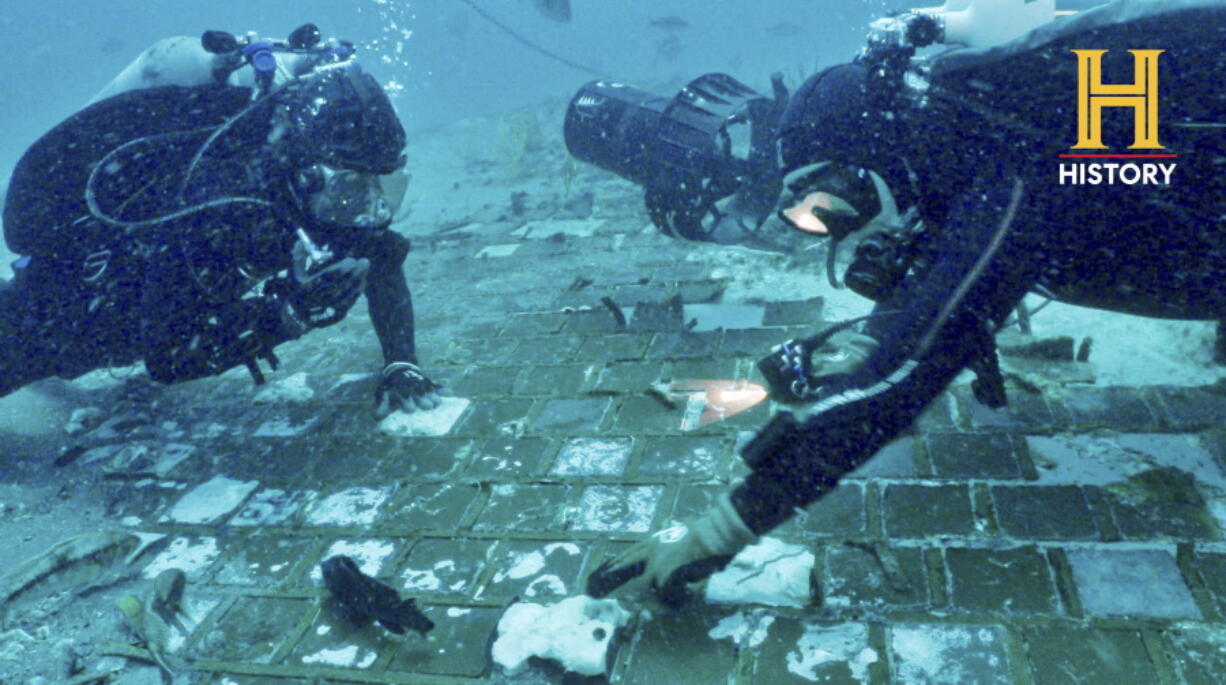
(322, 296)
(403, 387)
(671, 559)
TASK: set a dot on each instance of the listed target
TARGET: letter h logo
(1141, 95)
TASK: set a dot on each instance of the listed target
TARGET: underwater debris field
(1077, 531)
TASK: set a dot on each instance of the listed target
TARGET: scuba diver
(221, 197)
(964, 151)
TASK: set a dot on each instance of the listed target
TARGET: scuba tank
(971, 23)
(985, 23)
(220, 57)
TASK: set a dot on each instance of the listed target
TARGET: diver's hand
(672, 558)
(323, 297)
(403, 387)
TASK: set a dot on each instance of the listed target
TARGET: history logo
(1141, 165)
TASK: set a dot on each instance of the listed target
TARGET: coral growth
(516, 135)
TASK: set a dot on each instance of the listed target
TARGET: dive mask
(830, 199)
(346, 197)
(840, 201)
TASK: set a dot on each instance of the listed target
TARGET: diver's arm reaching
(402, 385)
(387, 295)
(986, 264)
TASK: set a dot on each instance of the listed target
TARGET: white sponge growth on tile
(771, 572)
(576, 632)
(430, 423)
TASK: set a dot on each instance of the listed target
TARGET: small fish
(670, 23)
(784, 29)
(557, 10)
(166, 599)
(363, 599)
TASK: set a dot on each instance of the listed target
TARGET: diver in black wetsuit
(974, 156)
(197, 228)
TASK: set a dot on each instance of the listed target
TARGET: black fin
(406, 616)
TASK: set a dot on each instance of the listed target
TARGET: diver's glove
(404, 387)
(321, 297)
(674, 557)
(797, 370)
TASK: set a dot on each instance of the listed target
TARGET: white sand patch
(291, 390)
(431, 579)
(369, 555)
(847, 642)
(547, 585)
(271, 507)
(520, 565)
(83, 419)
(29, 411)
(1134, 350)
(1217, 507)
(342, 656)
(710, 317)
(771, 572)
(280, 427)
(172, 455)
(611, 507)
(745, 630)
(185, 555)
(351, 507)
(425, 580)
(211, 500)
(1111, 458)
(523, 564)
(347, 378)
(99, 453)
(505, 250)
(753, 277)
(436, 422)
(539, 230)
(576, 632)
(592, 457)
(196, 609)
(939, 654)
(210, 431)
(568, 547)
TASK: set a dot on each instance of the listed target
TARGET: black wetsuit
(985, 136)
(190, 295)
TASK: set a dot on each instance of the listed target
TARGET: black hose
(514, 34)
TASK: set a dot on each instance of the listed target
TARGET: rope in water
(514, 34)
